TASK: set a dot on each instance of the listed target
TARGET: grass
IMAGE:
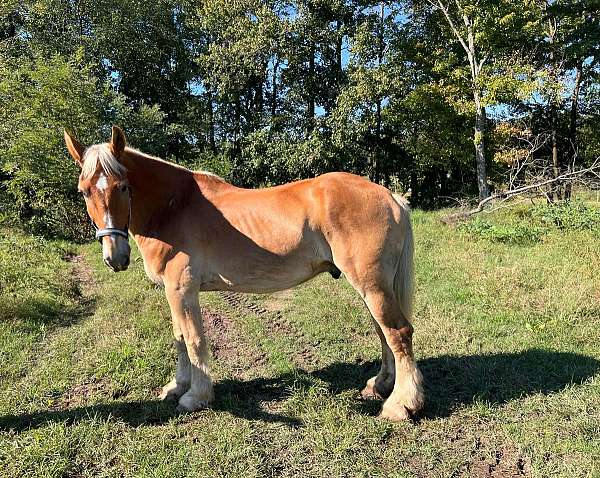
(507, 338)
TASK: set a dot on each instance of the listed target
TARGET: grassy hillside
(507, 336)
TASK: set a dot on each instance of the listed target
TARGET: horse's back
(352, 203)
(272, 238)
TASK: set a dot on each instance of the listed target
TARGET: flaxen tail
(404, 278)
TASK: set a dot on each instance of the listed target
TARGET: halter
(115, 231)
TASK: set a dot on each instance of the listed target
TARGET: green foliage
(518, 234)
(42, 97)
(267, 159)
(568, 216)
(536, 222)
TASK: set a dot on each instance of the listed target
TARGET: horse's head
(103, 183)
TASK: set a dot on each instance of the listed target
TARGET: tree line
(439, 98)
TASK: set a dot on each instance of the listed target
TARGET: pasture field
(507, 337)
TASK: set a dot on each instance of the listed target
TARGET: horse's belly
(263, 276)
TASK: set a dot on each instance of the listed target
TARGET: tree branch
(502, 196)
(455, 30)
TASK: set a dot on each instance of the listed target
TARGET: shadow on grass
(47, 312)
(455, 381)
(451, 382)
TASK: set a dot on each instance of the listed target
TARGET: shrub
(537, 221)
(521, 234)
(40, 97)
(571, 215)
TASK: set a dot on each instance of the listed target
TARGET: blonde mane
(101, 154)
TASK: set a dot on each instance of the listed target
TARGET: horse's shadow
(451, 382)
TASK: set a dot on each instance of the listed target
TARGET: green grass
(507, 337)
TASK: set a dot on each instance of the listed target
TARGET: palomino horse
(198, 233)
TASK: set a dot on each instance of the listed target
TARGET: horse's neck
(156, 186)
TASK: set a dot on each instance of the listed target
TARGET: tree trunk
(211, 123)
(479, 139)
(573, 122)
(574, 112)
(480, 113)
(310, 114)
(377, 149)
(554, 103)
(556, 192)
(259, 96)
(237, 128)
(274, 89)
(338, 46)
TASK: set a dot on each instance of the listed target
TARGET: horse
(196, 232)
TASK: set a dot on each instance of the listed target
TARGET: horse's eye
(85, 192)
(123, 187)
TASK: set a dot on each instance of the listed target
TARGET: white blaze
(108, 220)
(102, 183)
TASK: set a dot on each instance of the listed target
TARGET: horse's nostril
(109, 264)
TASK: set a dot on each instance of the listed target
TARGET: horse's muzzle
(117, 265)
(116, 254)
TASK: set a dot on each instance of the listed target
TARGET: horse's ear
(75, 148)
(117, 142)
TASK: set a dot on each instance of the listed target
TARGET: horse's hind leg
(382, 384)
(181, 383)
(407, 394)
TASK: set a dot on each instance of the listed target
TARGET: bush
(521, 234)
(571, 215)
(40, 97)
(537, 221)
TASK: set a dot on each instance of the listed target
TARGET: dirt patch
(83, 275)
(226, 344)
(243, 303)
(275, 325)
(505, 463)
(81, 393)
(278, 300)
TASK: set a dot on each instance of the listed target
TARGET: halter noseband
(115, 231)
(112, 231)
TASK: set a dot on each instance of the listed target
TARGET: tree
(485, 30)
(40, 97)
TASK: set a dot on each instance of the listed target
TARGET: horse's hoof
(397, 413)
(370, 392)
(374, 392)
(398, 408)
(191, 403)
(172, 391)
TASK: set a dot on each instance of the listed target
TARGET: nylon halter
(115, 231)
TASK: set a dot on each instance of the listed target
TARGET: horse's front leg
(181, 383)
(186, 313)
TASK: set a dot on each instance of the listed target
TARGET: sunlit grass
(506, 334)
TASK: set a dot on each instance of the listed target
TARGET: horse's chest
(154, 276)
